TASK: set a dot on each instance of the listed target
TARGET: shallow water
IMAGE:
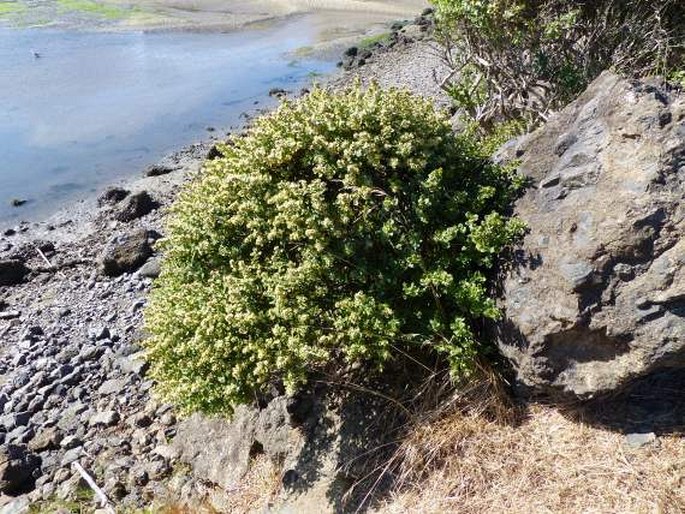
(96, 107)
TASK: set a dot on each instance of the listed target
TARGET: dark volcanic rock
(137, 206)
(277, 92)
(214, 153)
(127, 255)
(112, 196)
(596, 296)
(16, 468)
(159, 169)
(12, 272)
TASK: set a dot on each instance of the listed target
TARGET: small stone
(70, 442)
(142, 420)
(636, 441)
(71, 455)
(98, 333)
(14, 420)
(61, 475)
(70, 488)
(112, 386)
(137, 206)
(21, 435)
(90, 353)
(158, 469)
(106, 418)
(114, 489)
(48, 439)
(127, 255)
(135, 364)
(138, 477)
(33, 333)
(158, 169)
(168, 419)
(150, 269)
(166, 452)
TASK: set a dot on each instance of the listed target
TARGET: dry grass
(257, 489)
(476, 452)
(255, 493)
(472, 462)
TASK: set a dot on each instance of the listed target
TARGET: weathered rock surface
(136, 206)
(112, 196)
(158, 169)
(220, 450)
(597, 294)
(128, 254)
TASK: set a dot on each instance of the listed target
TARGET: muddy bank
(333, 16)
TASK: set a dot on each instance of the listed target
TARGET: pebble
(98, 333)
(72, 455)
(70, 442)
(105, 418)
(636, 441)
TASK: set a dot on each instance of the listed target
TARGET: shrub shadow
(654, 403)
(355, 426)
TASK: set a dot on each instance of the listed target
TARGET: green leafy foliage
(522, 59)
(341, 229)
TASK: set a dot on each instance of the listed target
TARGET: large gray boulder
(596, 296)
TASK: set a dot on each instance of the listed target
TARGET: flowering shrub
(341, 229)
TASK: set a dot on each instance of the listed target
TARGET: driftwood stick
(67, 264)
(104, 501)
(40, 252)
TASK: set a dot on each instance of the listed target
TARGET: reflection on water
(95, 107)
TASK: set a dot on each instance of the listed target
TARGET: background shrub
(521, 59)
(343, 228)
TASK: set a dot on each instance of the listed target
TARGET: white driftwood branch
(104, 501)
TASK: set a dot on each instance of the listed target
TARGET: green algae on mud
(71, 13)
(11, 8)
(218, 15)
(109, 12)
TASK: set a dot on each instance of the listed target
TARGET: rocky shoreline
(73, 388)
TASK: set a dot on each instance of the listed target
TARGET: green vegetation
(109, 12)
(677, 77)
(522, 59)
(370, 41)
(11, 8)
(81, 503)
(343, 229)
